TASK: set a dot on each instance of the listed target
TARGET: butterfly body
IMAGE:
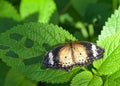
(70, 54)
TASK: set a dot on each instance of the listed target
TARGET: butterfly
(67, 55)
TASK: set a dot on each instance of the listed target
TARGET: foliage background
(23, 44)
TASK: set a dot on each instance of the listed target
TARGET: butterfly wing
(68, 55)
(51, 59)
(93, 52)
(80, 54)
(59, 58)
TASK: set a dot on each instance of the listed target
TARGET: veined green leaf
(86, 79)
(110, 41)
(111, 60)
(53, 76)
(24, 46)
(112, 26)
(113, 79)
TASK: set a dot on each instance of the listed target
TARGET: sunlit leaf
(23, 48)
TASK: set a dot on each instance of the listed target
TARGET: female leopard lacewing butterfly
(74, 53)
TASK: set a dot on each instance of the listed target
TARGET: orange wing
(70, 54)
(80, 54)
(65, 56)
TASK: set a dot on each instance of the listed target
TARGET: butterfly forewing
(93, 51)
(51, 59)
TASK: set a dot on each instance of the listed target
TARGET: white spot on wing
(51, 58)
(94, 49)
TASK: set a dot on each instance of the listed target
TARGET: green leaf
(113, 79)
(24, 46)
(6, 24)
(54, 18)
(81, 5)
(13, 78)
(86, 79)
(8, 13)
(45, 8)
(111, 60)
(3, 72)
(112, 26)
(110, 42)
(52, 76)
